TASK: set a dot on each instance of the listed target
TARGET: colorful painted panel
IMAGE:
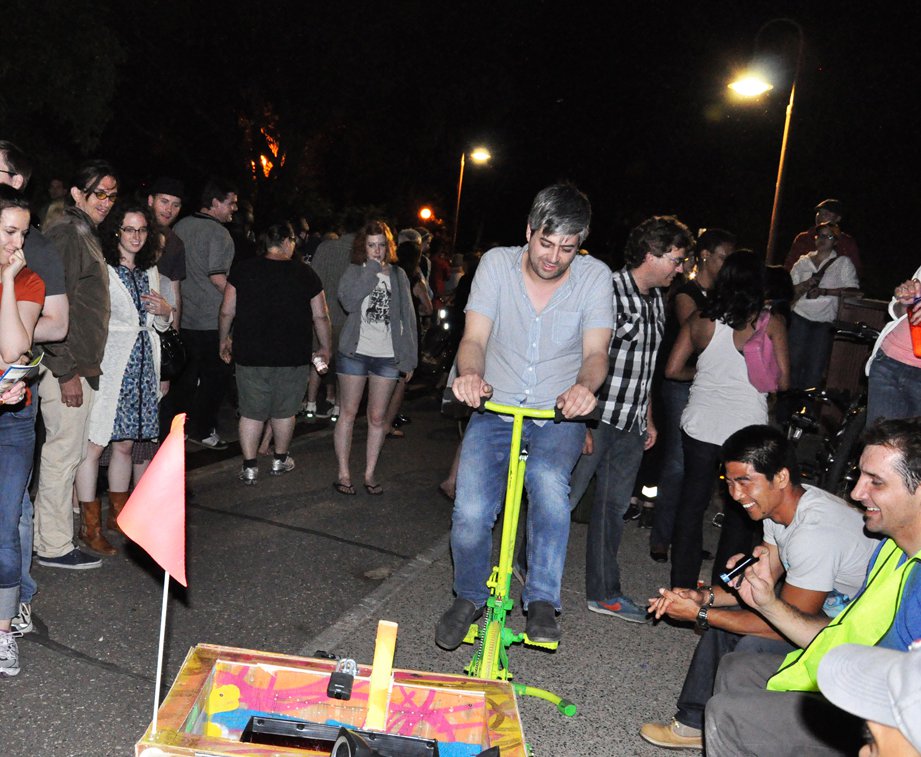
(218, 689)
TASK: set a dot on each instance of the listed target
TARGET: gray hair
(561, 209)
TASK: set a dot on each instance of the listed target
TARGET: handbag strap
(824, 267)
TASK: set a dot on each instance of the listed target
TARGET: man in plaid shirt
(655, 253)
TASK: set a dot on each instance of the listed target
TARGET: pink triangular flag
(154, 515)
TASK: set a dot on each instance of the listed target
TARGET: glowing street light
(479, 155)
(753, 85)
(426, 213)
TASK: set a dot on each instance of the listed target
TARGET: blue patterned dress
(136, 417)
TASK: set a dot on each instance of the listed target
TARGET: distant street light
(479, 156)
(753, 85)
(425, 213)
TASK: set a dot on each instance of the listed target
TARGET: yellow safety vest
(864, 621)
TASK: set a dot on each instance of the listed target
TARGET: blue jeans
(27, 585)
(673, 397)
(17, 443)
(712, 646)
(616, 460)
(894, 389)
(553, 449)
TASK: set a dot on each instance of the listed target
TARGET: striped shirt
(639, 325)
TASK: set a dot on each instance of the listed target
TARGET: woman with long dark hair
(125, 410)
(713, 247)
(722, 400)
(377, 346)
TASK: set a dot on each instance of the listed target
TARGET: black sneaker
(73, 560)
(542, 625)
(634, 510)
(454, 624)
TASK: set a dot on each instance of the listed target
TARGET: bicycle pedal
(542, 644)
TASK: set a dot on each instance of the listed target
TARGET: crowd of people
(687, 346)
(547, 327)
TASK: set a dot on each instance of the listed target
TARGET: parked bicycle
(833, 464)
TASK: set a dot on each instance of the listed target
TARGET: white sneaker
(9, 654)
(282, 466)
(22, 623)
(212, 441)
(249, 476)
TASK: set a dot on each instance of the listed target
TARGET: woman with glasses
(722, 401)
(377, 346)
(820, 278)
(125, 410)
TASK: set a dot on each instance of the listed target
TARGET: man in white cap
(882, 686)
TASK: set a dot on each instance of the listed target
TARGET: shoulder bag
(763, 369)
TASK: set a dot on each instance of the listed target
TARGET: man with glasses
(72, 368)
(827, 211)
(656, 252)
(209, 253)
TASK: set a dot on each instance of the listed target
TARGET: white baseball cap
(882, 685)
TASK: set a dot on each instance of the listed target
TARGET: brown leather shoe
(90, 529)
(116, 503)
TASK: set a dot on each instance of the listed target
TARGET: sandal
(374, 489)
(347, 489)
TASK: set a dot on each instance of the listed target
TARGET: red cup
(915, 329)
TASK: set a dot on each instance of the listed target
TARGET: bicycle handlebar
(859, 332)
(554, 413)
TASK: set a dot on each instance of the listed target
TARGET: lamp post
(479, 155)
(751, 86)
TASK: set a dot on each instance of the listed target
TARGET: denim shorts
(362, 365)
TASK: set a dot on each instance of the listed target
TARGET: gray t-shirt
(824, 548)
(208, 250)
(532, 358)
(43, 258)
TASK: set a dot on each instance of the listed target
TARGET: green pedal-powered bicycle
(493, 639)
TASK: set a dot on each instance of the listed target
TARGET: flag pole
(160, 653)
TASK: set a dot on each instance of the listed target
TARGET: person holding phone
(811, 538)
(377, 346)
(22, 294)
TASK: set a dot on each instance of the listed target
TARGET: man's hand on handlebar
(471, 389)
(576, 401)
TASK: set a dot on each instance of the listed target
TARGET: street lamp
(753, 85)
(479, 155)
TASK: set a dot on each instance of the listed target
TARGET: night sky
(373, 103)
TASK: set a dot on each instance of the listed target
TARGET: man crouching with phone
(812, 539)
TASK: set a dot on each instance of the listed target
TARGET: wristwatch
(702, 622)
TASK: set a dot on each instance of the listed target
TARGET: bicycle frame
(490, 658)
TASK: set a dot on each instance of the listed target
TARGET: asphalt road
(291, 566)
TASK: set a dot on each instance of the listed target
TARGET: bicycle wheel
(840, 476)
